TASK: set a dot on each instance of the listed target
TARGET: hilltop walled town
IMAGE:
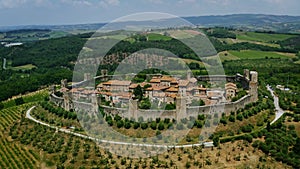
(188, 97)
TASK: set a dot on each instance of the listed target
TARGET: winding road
(279, 113)
(109, 141)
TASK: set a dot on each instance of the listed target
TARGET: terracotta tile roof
(167, 78)
(64, 89)
(87, 92)
(117, 83)
(149, 89)
(100, 85)
(230, 85)
(202, 88)
(183, 83)
(193, 80)
(191, 88)
(97, 92)
(144, 83)
(105, 93)
(74, 90)
(174, 81)
(133, 86)
(172, 89)
(157, 88)
(155, 80)
(173, 95)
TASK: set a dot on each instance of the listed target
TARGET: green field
(263, 37)
(117, 37)
(180, 34)
(28, 98)
(227, 56)
(24, 67)
(157, 37)
(252, 54)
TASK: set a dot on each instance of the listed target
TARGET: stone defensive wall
(59, 101)
(135, 113)
(82, 106)
(191, 111)
(194, 111)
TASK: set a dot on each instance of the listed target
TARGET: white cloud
(275, 1)
(77, 2)
(187, 1)
(220, 2)
(11, 3)
(107, 3)
(156, 1)
(19, 3)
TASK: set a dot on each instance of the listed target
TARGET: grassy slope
(252, 54)
(157, 37)
(24, 67)
(263, 37)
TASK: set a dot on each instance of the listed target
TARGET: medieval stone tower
(67, 100)
(181, 107)
(104, 74)
(87, 76)
(133, 106)
(247, 74)
(253, 86)
(52, 89)
(64, 83)
(95, 103)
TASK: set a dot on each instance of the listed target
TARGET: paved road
(279, 111)
(109, 141)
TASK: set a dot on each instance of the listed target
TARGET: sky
(61, 12)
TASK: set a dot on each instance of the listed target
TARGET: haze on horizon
(61, 12)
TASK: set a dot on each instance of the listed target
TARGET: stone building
(230, 90)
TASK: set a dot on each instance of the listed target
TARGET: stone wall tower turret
(181, 107)
(87, 76)
(253, 86)
(67, 100)
(133, 106)
(95, 104)
(64, 83)
(247, 74)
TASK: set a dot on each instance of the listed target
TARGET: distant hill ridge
(280, 23)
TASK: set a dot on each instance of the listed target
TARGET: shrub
(19, 101)
(117, 118)
(246, 129)
(144, 126)
(127, 125)
(167, 121)
(153, 125)
(1, 105)
(201, 117)
(231, 118)
(256, 143)
(248, 137)
(136, 125)
(170, 106)
(223, 121)
(239, 117)
(179, 126)
(161, 126)
(120, 124)
(198, 124)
